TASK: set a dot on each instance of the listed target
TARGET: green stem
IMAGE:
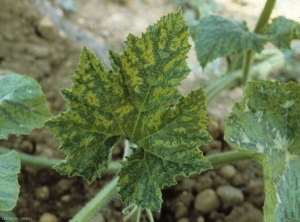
(273, 60)
(98, 202)
(114, 167)
(263, 19)
(246, 66)
(265, 15)
(48, 163)
(226, 157)
(36, 161)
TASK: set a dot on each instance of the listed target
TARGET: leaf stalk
(48, 163)
(263, 19)
(98, 202)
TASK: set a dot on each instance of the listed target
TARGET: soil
(32, 45)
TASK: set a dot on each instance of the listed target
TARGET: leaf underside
(137, 100)
(266, 125)
(23, 105)
(9, 187)
(216, 37)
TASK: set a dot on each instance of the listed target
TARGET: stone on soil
(206, 201)
(227, 171)
(230, 195)
(245, 213)
(42, 193)
(48, 217)
(183, 220)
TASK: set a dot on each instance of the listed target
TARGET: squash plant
(22, 108)
(137, 102)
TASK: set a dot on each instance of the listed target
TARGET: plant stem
(48, 163)
(265, 15)
(114, 167)
(36, 161)
(99, 201)
(273, 60)
(246, 66)
(226, 157)
(263, 19)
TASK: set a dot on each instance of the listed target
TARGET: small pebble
(187, 184)
(181, 211)
(230, 195)
(256, 186)
(65, 198)
(227, 171)
(186, 198)
(240, 179)
(206, 201)
(245, 213)
(48, 217)
(183, 220)
(42, 193)
(200, 219)
(215, 144)
(63, 185)
(203, 182)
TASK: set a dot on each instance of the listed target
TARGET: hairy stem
(263, 19)
(98, 202)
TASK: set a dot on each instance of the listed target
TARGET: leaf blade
(22, 105)
(282, 31)
(266, 126)
(9, 188)
(171, 151)
(216, 37)
(138, 100)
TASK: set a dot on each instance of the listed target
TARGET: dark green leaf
(282, 31)
(217, 37)
(137, 100)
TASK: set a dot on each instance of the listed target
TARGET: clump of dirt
(31, 45)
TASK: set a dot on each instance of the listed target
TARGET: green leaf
(22, 105)
(266, 126)
(282, 31)
(216, 37)
(138, 100)
(9, 187)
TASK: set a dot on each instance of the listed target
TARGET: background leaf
(282, 31)
(266, 125)
(137, 100)
(23, 106)
(9, 187)
(216, 37)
